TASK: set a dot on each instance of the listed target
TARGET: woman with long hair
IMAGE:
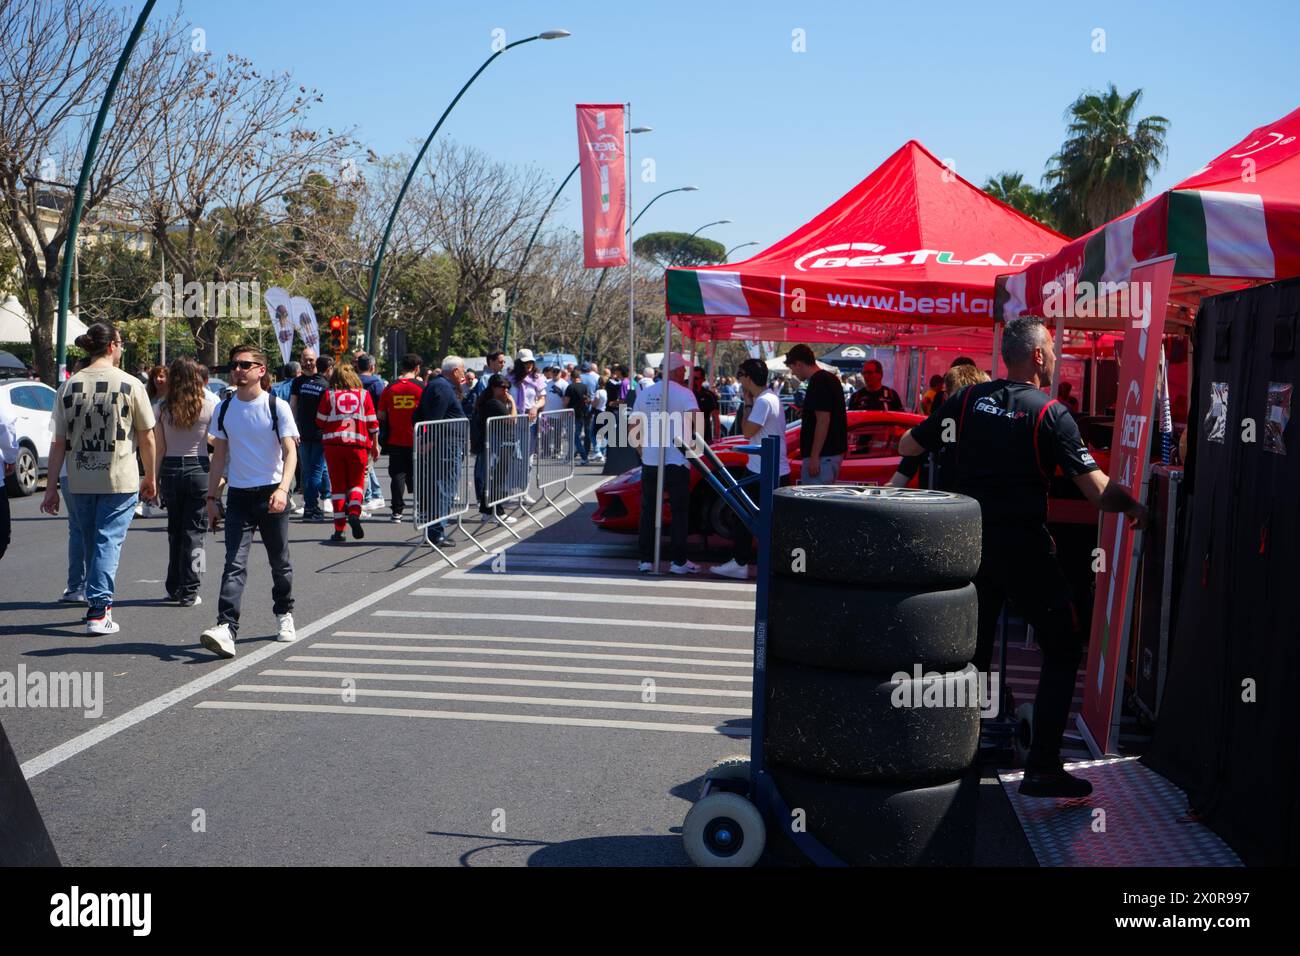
(156, 384)
(184, 420)
(103, 418)
(350, 433)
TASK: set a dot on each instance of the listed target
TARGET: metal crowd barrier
(507, 446)
(557, 453)
(442, 476)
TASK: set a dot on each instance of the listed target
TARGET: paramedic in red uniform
(1010, 437)
(349, 431)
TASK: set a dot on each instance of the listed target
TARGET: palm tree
(1105, 164)
(1012, 189)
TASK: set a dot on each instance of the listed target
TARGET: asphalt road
(426, 716)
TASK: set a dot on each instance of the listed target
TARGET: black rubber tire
(845, 725)
(22, 483)
(843, 627)
(867, 824)
(886, 537)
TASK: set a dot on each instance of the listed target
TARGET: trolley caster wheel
(724, 829)
(1024, 735)
(729, 769)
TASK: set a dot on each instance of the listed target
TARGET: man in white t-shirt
(665, 411)
(764, 419)
(256, 437)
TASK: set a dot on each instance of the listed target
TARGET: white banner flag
(305, 318)
(279, 307)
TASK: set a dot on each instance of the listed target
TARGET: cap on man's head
(674, 361)
(525, 355)
(586, 366)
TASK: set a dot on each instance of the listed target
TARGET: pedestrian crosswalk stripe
(625, 581)
(515, 652)
(593, 621)
(582, 597)
(660, 689)
(498, 699)
(353, 710)
(553, 668)
(626, 645)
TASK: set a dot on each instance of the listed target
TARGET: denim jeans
(246, 511)
(372, 490)
(76, 548)
(185, 482)
(446, 483)
(827, 472)
(582, 436)
(103, 520)
(315, 476)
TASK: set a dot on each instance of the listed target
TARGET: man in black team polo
(875, 396)
(1010, 438)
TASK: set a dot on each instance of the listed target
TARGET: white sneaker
(73, 597)
(690, 567)
(153, 511)
(374, 504)
(731, 570)
(102, 625)
(645, 567)
(294, 507)
(139, 509)
(507, 519)
(219, 640)
(529, 500)
(287, 634)
(597, 459)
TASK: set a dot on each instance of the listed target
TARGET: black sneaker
(313, 514)
(338, 536)
(1053, 783)
(435, 536)
(354, 522)
(395, 517)
(189, 600)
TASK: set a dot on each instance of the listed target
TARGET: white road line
(575, 702)
(514, 652)
(626, 581)
(353, 710)
(582, 597)
(503, 682)
(555, 669)
(626, 645)
(592, 621)
(70, 748)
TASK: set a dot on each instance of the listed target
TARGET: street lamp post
(600, 280)
(383, 243)
(734, 248)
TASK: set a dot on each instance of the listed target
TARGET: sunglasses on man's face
(245, 366)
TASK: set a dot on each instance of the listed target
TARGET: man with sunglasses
(255, 434)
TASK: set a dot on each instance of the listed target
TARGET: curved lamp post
(383, 243)
(79, 201)
(727, 256)
(601, 278)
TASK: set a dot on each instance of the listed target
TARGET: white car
(31, 404)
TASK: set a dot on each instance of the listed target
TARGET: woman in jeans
(493, 402)
(184, 420)
(102, 421)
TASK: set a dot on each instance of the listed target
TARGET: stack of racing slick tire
(873, 706)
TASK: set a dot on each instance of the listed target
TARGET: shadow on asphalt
(612, 851)
(164, 652)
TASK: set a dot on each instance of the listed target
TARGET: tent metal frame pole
(997, 345)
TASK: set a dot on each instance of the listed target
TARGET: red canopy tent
(1234, 223)
(911, 244)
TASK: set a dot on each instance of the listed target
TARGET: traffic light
(338, 335)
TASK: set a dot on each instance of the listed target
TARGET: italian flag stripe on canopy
(1233, 223)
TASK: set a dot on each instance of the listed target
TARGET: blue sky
(772, 136)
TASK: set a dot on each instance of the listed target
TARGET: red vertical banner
(1147, 292)
(601, 156)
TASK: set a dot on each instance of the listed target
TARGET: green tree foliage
(677, 249)
(1012, 189)
(1104, 166)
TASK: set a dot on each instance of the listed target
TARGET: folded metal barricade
(557, 449)
(441, 476)
(506, 445)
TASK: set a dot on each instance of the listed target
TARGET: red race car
(872, 459)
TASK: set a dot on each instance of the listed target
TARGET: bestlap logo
(75, 909)
(873, 254)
